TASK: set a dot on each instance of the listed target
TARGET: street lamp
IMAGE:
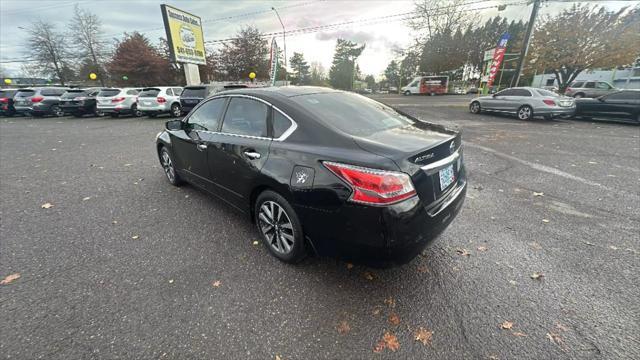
(284, 41)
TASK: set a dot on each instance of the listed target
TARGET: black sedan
(322, 171)
(620, 105)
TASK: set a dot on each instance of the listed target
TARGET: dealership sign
(184, 35)
(273, 62)
(498, 55)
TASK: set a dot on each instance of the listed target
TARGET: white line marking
(539, 167)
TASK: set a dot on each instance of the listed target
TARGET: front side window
(603, 86)
(590, 85)
(169, 92)
(507, 92)
(414, 84)
(207, 116)
(624, 95)
(246, 117)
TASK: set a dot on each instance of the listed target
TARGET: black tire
(407, 93)
(578, 96)
(56, 111)
(525, 113)
(475, 107)
(151, 115)
(97, 112)
(135, 111)
(166, 161)
(175, 110)
(287, 235)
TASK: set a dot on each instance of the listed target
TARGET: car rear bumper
(154, 107)
(111, 109)
(381, 236)
(23, 109)
(73, 108)
(568, 111)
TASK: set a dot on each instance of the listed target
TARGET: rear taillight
(36, 99)
(568, 89)
(549, 102)
(117, 99)
(372, 186)
(4, 100)
(161, 100)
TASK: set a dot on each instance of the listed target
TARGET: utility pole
(284, 41)
(527, 39)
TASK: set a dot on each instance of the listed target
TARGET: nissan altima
(321, 171)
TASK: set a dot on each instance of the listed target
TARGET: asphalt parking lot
(541, 263)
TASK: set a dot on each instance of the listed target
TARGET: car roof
(283, 91)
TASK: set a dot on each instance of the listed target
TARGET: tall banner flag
(273, 62)
(498, 55)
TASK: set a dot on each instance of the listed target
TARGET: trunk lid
(425, 151)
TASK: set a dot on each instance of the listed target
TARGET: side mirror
(174, 125)
(493, 95)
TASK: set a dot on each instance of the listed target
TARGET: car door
(500, 100)
(590, 89)
(190, 145)
(238, 152)
(517, 98)
(622, 105)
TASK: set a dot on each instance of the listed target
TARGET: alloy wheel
(276, 227)
(524, 113)
(475, 107)
(167, 165)
(57, 111)
(175, 111)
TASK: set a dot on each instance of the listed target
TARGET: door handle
(202, 147)
(252, 154)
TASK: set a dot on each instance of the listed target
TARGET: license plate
(148, 103)
(446, 177)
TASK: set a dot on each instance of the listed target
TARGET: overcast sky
(381, 37)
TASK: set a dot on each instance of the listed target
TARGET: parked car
(160, 100)
(39, 101)
(526, 103)
(6, 102)
(118, 101)
(472, 90)
(620, 105)
(79, 102)
(591, 89)
(194, 94)
(321, 170)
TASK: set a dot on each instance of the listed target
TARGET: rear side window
(280, 124)
(73, 94)
(177, 91)
(25, 93)
(246, 117)
(577, 84)
(169, 92)
(590, 85)
(109, 92)
(149, 93)
(207, 117)
(199, 92)
(521, 92)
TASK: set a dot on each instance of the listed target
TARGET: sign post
(186, 41)
(273, 62)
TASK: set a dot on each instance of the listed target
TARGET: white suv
(159, 100)
(116, 101)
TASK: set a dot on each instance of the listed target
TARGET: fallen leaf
(538, 193)
(216, 283)
(613, 247)
(10, 278)
(47, 205)
(390, 302)
(513, 282)
(394, 319)
(376, 311)
(380, 345)
(349, 266)
(423, 335)
(545, 220)
(462, 252)
(423, 269)
(519, 334)
(170, 281)
(278, 357)
(135, 237)
(535, 246)
(592, 162)
(255, 242)
(367, 275)
(343, 327)
(86, 198)
(507, 325)
(114, 222)
(537, 275)
(554, 338)
(127, 165)
(561, 327)
(482, 248)
(391, 341)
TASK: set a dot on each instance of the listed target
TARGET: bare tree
(85, 30)
(48, 49)
(433, 17)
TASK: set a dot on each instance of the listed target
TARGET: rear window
(199, 92)
(25, 93)
(351, 113)
(544, 92)
(52, 92)
(149, 93)
(109, 92)
(7, 93)
(73, 93)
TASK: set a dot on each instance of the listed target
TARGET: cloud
(347, 34)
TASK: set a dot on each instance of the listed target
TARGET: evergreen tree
(343, 67)
(300, 70)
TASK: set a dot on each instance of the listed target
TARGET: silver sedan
(525, 103)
